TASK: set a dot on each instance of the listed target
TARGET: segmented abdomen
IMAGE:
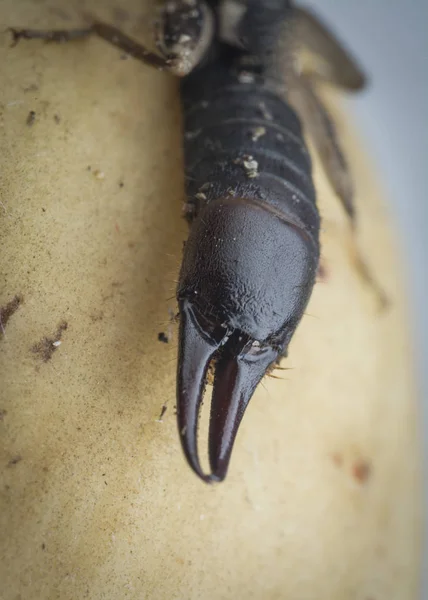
(242, 139)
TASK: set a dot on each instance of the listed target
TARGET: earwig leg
(321, 128)
(59, 35)
(106, 32)
(323, 133)
(120, 40)
(363, 271)
(331, 61)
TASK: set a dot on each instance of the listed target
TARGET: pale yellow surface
(96, 498)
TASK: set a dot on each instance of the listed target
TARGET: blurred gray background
(390, 37)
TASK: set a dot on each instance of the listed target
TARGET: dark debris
(8, 310)
(47, 346)
(163, 337)
(31, 118)
(14, 460)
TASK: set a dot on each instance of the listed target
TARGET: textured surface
(322, 496)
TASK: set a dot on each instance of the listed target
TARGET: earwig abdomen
(243, 137)
(250, 261)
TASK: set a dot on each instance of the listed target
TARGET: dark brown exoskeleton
(251, 258)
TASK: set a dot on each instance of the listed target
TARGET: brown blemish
(361, 471)
(8, 310)
(3, 413)
(322, 273)
(47, 346)
(337, 459)
(57, 119)
(14, 460)
(115, 285)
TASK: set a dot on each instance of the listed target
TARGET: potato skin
(101, 503)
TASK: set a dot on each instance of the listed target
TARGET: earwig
(251, 258)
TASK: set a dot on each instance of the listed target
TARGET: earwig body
(250, 261)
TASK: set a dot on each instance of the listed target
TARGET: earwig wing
(323, 56)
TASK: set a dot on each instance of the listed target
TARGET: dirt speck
(163, 337)
(47, 345)
(14, 460)
(264, 111)
(96, 315)
(257, 133)
(31, 118)
(249, 164)
(8, 310)
(162, 413)
(361, 471)
(57, 119)
(33, 87)
(246, 77)
(3, 413)
(43, 546)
